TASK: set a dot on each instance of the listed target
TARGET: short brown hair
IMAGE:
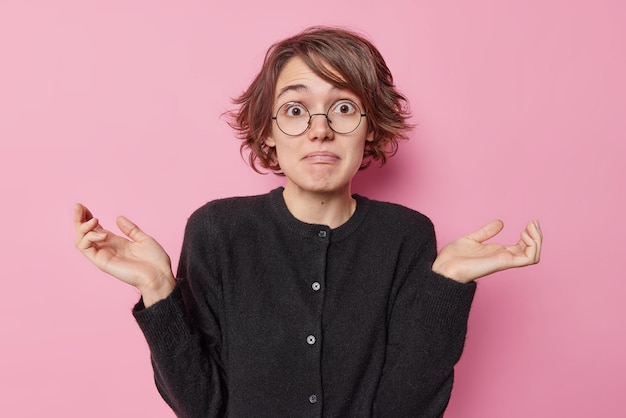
(346, 60)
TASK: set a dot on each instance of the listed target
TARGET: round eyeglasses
(343, 117)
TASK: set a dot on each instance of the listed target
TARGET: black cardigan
(275, 317)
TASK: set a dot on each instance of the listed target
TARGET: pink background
(117, 104)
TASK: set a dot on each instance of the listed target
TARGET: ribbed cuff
(449, 301)
(163, 324)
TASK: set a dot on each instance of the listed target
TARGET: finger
(81, 214)
(84, 220)
(90, 239)
(91, 225)
(488, 231)
(531, 249)
(130, 229)
(82, 229)
(533, 236)
(537, 235)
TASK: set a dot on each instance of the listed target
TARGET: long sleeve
(184, 340)
(426, 335)
(275, 317)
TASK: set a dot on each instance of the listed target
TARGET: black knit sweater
(273, 317)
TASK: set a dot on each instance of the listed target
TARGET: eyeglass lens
(343, 116)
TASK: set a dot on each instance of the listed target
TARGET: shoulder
(400, 231)
(398, 217)
(230, 206)
(229, 214)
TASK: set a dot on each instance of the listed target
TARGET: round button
(312, 398)
(316, 286)
(321, 234)
(310, 340)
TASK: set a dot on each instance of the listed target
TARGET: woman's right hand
(139, 261)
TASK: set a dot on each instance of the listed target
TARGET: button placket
(322, 236)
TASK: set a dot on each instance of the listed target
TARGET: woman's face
(319, 159)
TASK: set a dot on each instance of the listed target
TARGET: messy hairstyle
(347, 61)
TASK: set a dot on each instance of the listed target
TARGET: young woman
(308, 301)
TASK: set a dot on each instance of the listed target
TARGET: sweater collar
(285, 218)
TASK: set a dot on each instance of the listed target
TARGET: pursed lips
(321, 157)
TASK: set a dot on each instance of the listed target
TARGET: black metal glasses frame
(328, 121)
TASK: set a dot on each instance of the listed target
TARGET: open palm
(469, 257)
(137, 260)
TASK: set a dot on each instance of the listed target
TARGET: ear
(370, 136)
(269, 141)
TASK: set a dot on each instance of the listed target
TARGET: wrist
(450, 273)
(157, 290)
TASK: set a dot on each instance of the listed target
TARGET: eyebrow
(292, 87)
(298, 88)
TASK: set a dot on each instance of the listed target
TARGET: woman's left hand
(468, 258)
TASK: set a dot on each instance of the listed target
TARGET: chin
(326, 187)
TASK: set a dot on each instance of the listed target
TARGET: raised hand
(469, 258)
(139, 260)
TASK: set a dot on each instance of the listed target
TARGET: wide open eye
(344, 108)
(294, 110)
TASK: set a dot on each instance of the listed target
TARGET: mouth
(321, 157)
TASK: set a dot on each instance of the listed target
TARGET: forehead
(297, 76)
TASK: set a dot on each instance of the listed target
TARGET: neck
(323, 208)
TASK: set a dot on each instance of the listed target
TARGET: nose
(319, 127)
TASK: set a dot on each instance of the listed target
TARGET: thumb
(129, 229)
(488, 231)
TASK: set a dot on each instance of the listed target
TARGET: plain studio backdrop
(116, 104)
